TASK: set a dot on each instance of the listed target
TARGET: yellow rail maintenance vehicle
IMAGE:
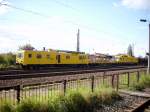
(30, 58)
(35, 59)
(126, 59)
(72, 58)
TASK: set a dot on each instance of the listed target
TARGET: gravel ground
(147, 90)
(121, 105)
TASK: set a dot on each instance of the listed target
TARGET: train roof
(66, 51)
(101, 55)
(63, 51)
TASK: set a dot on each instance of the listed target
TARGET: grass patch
(73, 101)
(32, 106)
(142, 84)
(7, 107)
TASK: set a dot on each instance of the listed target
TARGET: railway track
(57, 72)
(139, 105)
(56, 69)
(147, 109)
(143, 107)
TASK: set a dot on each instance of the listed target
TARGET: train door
(58, 58)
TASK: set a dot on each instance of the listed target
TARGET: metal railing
(44, 91)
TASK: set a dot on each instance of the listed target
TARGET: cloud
(57, 35)
(136, 4)
(4, 9)
(39, 36)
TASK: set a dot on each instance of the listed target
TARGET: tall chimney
(78, 41)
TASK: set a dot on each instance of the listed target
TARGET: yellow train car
(32, 58)
(72, 58)
(126, 59)
(50, 57)
(29, 57)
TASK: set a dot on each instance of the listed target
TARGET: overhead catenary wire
(66, 5)
(37, 13)
(25, 10)
(43, 15)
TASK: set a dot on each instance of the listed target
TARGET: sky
(106, 26)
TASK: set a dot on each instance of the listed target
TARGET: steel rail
(60, 73)
(55, 69)
(142, 106)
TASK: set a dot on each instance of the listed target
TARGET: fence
(43, 92)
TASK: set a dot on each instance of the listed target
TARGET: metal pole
(148, 69)
(78, 41)
(92, 84)
(65, 86)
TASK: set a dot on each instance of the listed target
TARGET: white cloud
(136, 4)
(57, 35)
(3, 8)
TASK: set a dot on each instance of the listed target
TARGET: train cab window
(67, 57)
(20, 55)
(30, 55)
(48, 56)
(39, 56)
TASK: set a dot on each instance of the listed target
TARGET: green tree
(10, 58)
(2, 60)
(130, 51)
(26, 47)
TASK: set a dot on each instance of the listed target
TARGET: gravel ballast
(125, 103)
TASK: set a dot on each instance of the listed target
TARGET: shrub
(142, 84)
(26, 106)
(32, 106)
(6, 108)
(7, 59)
(75, 102)
(10, 59)
(59, 104)
(3, 66)
(2, 60)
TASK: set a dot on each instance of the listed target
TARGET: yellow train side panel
(28, 57)
(73, 58)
